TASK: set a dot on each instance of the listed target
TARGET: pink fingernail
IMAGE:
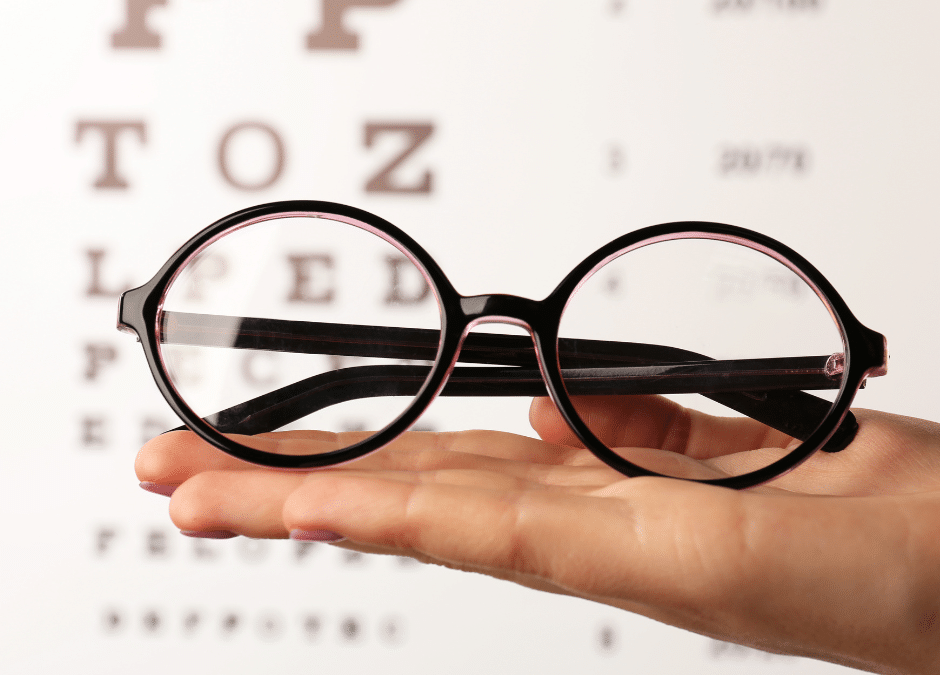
(326, 536)
(209, 534)
(159, 488)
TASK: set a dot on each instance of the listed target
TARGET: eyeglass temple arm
(278, 408)
(767, 390)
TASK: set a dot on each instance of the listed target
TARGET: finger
(249, 503)
(174, 457)
(653, 422)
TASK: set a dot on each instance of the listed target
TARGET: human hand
(836, 560)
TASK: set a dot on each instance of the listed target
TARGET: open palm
(836, 560)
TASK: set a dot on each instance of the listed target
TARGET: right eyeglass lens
(662, 346)
(305, 325)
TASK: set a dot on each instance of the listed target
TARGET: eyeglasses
(318, 317)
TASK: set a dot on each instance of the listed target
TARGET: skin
(837, 560)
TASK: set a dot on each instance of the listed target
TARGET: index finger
(174, 457)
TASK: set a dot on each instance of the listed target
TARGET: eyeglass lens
(716, 326)
(282, 324)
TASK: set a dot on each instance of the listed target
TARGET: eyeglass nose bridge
(534, 316)
(500, 308)
(530, 315)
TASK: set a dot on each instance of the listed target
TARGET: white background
(557, 126)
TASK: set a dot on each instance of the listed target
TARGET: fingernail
(316, 535)
(159, 488)
(209, 534)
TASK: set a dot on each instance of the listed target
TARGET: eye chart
(510, 139)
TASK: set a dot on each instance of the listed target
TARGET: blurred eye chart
(510, 138)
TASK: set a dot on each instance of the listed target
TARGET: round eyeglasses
(304, 315)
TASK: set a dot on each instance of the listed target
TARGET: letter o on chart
(246, 130)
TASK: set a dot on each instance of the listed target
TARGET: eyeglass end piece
(123, 328)
(122, 325)
(883, 368)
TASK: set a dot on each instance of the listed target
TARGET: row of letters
(268, 626)
(318, 628)
(313, 279)
(395, 174)
(96, 431)
(746, 6)
(332, 33)
(114, 135)
(752, 160)
(164, 544)
(311, 275)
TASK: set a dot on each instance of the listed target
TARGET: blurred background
(510, 138)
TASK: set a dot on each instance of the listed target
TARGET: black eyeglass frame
(865, 352)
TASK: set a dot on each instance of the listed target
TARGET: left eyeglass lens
(302, 324)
